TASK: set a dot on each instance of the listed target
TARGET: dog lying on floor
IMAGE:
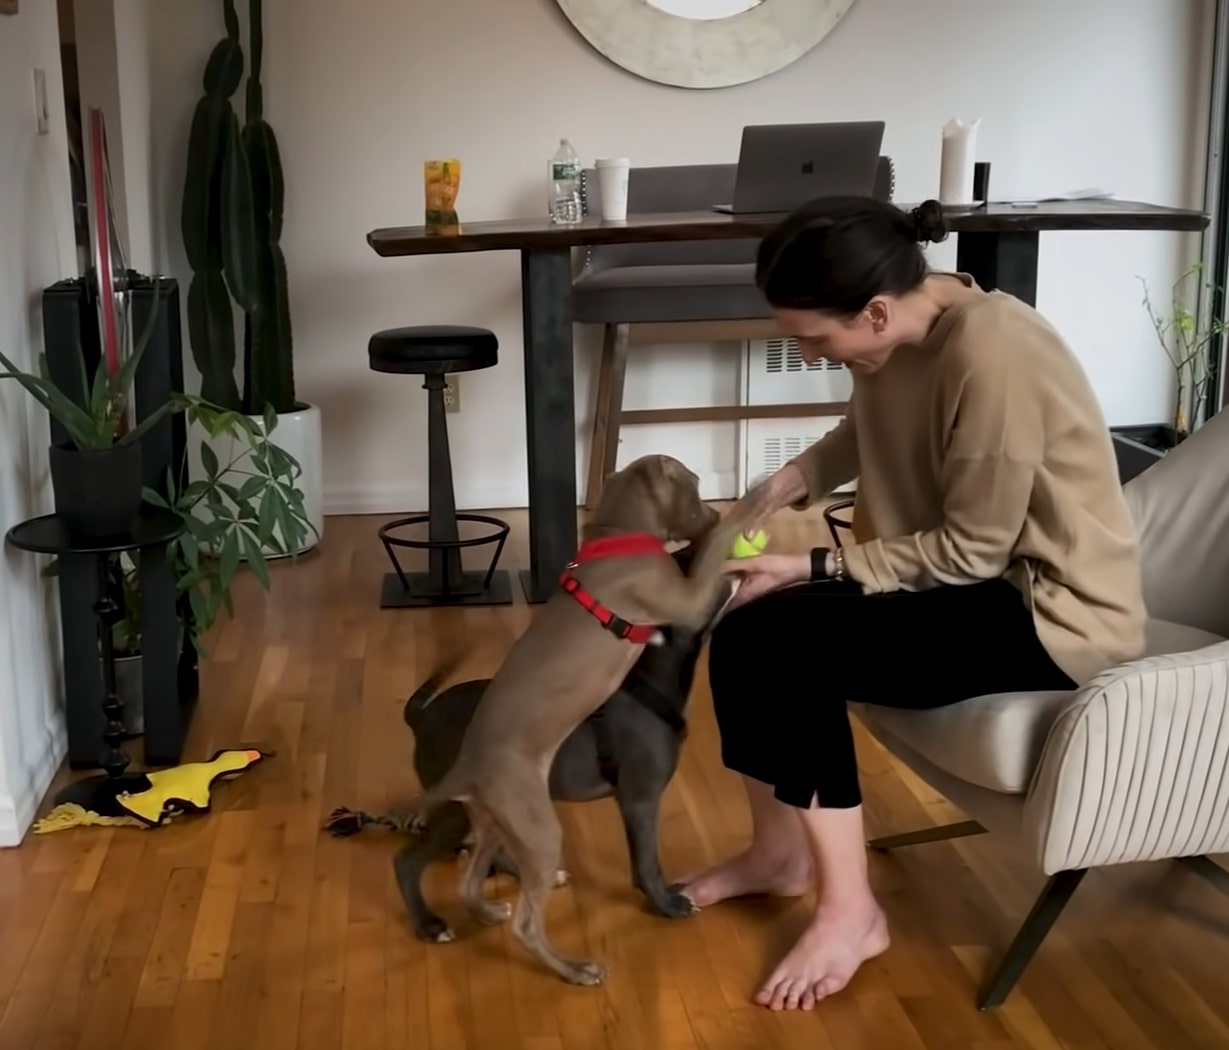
(628, 748)
(620, 588)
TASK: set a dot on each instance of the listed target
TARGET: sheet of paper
(1092, 193)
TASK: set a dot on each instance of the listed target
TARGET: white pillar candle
(956, 161)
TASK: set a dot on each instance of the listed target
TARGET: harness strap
(634, 544)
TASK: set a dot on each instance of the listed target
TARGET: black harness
(647, 696)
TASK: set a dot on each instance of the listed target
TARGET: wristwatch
(819, 564)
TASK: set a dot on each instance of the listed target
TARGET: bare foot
(827, 955)
(752, 872)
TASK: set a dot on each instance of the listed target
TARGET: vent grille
(782, 355)
(780, 450)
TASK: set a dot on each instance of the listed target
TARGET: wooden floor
(250, 928)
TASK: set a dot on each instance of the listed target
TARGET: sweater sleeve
(830, 462)
(994, 441)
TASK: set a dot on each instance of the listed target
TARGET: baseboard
(17, 813)
(412, 499)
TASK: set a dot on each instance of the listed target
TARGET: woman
(992, 552)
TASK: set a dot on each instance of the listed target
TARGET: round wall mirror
(704, 10)
(704, 43)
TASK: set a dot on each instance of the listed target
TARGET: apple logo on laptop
(808, 168)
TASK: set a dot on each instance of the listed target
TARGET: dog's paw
(562, 877)
(435, 931)
(676, 905)
(681, 904)
(586, 973)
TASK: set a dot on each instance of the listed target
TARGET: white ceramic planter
(300, 434)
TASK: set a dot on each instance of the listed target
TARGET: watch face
(110, 268)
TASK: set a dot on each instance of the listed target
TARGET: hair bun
(929, 222)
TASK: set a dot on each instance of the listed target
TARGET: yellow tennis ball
(749, 548)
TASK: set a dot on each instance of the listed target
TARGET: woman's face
(861, 342)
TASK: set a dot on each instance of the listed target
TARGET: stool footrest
(402, 590)
(415, 590)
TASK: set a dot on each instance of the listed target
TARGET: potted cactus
(231, 222)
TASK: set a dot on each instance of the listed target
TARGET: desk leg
(550, 417)
(1006, 261)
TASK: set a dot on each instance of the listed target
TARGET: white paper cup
(612, 174)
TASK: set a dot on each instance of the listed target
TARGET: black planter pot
(97, 491)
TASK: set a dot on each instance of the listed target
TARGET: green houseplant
(240, 509)
(96, 475)
(1188, 345)
(231, 221)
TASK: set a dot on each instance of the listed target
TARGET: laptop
(782, 166)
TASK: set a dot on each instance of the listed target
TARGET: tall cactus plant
(231, 222)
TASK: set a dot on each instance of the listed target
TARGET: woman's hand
(778, 490)
(766, 573)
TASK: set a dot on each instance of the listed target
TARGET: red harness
(629, 545)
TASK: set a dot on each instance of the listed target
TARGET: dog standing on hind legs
(628, 748)
(572, 657)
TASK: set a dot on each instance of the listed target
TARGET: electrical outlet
(452, 394)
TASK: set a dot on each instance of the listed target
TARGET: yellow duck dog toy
(161, 795)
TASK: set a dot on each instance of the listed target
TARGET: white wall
(36, 249)
(1101, 92)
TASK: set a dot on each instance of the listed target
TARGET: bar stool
(434, 352)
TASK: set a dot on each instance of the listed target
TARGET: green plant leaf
(80, 426)
(154, 497)
(209, 460)
(228, 562)
(255, 559)
(146, 424)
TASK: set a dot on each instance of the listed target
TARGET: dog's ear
(659, 477)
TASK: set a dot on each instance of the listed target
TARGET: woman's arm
(830, 462)
(993, 452)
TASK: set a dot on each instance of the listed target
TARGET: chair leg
(1208, 870)
(607, 410)
(1046, 910)
(959, 830)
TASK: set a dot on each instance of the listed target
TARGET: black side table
(84, 565)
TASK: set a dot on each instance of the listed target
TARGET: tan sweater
(982, 453)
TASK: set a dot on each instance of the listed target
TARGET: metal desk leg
(550, 417)
(1006, 261)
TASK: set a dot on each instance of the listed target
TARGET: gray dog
(628, 748)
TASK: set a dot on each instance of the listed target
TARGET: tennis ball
(749, 548)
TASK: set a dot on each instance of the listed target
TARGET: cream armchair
(1132, 767)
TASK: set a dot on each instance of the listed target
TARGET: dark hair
(837, 253)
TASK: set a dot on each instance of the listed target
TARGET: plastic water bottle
(565, 185)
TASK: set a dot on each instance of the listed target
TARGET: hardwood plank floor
(252, 928)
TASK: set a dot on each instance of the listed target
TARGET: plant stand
(93, 709)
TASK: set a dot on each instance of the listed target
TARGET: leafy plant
(231, 222)
(100, 420)
(1188, 347)
(240, 509)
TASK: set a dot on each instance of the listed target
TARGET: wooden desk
(996, 244)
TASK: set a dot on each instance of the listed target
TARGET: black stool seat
(434, 349)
